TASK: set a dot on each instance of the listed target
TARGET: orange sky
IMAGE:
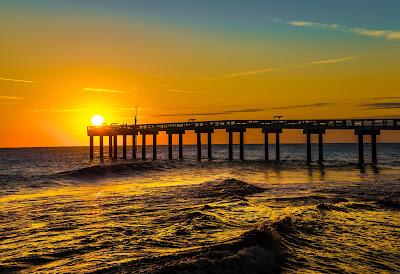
(59, 68)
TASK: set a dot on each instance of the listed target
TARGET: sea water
(61, 212)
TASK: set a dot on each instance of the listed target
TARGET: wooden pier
(361, 127)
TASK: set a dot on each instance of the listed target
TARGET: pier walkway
(361, 127)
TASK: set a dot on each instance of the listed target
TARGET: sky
(64, 61)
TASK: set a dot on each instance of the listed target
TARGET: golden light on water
(97, 120)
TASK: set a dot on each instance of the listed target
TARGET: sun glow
(97, 120)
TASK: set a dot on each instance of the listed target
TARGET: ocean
(63, 213)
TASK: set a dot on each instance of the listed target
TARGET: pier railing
(389, 124)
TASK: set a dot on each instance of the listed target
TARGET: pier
(361, 128)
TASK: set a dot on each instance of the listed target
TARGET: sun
(97, 120)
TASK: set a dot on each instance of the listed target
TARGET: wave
(225, 188)
(256, 251)
(99, 171)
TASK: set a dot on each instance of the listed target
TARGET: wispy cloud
(266, 70)
(68, 110)
(386, 34)
(385, 98)
(3, 97)
(383, 105)
(225, 112)
(303, 106)
(252, 72)
(38, 110)
(308, 24)
(333, 61)
(103, 90)
(16, 80)
(183, 91)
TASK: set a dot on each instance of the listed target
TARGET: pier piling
(198, 145)
(110, 147)
(101, 147)
(266, 152)
(230, 156)
(124, 146)
(180, 145)
(320, 147)
(115, 146)
(373, 147)
(209, 145)
(277, 147)
(143, 146)
(308, 147)
(134, 148)
(154, 146)
(91, 147)
(361, 149)
(170, 145)
(241, 145)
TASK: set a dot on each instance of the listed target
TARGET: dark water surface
(60, 212)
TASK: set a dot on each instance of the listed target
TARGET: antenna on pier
(136, 108)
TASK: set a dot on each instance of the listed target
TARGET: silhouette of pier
(361, 128)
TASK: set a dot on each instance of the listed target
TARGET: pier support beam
(209, 145)
(143, 146)
(134, 148)
(266, 131)
(115, 146)
(170, 133)
(110, 146)
(170, 146)
(101, 147)
(91, 150)
(124, 146)
(373, 132)
(180, 145)
(241, 131)
(198, 145)
(209, 132)
(309, 132)
(154, 146)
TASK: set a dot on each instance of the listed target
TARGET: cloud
(103, 90)
(10, 97)
(69, 110)
(16, 80)
(333, 61)
(183, 91)
(266, 70)
(383, 105)
(303, 106)
(385, 34)
(251, 72)
(385, 98)
(308, 24)
(246, 110)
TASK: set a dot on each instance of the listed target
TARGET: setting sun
(97, 120)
